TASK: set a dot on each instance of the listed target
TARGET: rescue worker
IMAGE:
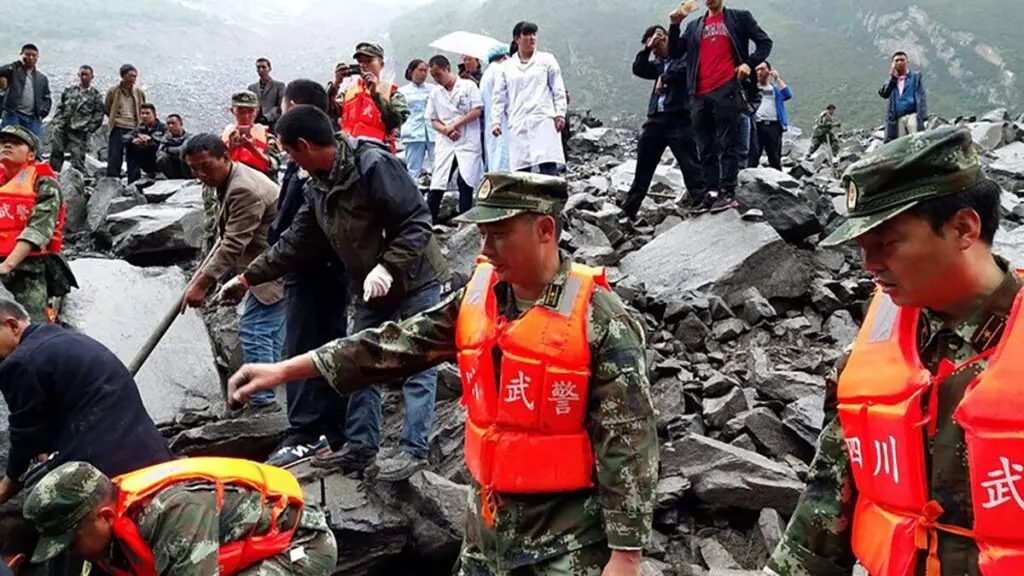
(193, 516)
(250, 143)
(31, 225)
(918, 470)
(570, 390)
(370, 108)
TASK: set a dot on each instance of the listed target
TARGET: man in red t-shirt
(716, 49)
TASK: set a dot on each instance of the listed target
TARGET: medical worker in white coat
(495, 147)
(529, 91)
(418, 135)
(454, 109)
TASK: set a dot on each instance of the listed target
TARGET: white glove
(377, 283)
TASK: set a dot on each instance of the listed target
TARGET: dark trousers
(716, 123)
(675, 133)
(434, 197)
(140, 158)
(115, 151)
(316, 312)
(546, 168)
(768, 140)
(173, 167)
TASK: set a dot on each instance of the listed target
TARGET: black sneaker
(292, 455)
(724, 201)
(401, 467)
(348, 459)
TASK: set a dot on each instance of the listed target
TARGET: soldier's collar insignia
(990, 332)
(851, 196)
(552, 295)
(485, 190)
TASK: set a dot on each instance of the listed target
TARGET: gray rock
(125, 203)
(777, 195)
(252, 437)
(823, 298)
(670, 491)
(1010, 244)
(651, 567)
(667, 179)
(769, 433)
(771, 527)
(841, 328)
(449, 383)
(462, 249)
(744, 442)
(597, 256)
(718, 384)
(161, 190)
(174, 226)
(718, 411)
(438, 508)
(790, 386)
(715, 555)
(584, 234)
(599, 140)
(805, 416)
(120, 305)
(692, 331)
(728, 329)
(724, 476)
(988, 135)
(723, 254)
(76, 200)
(755, 307)
(98, 207)
(222, 323)
(1009, 161)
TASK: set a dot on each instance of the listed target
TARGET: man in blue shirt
(908, 107)
(668, 125)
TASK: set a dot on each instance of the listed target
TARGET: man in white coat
(454, 109)
(529, 91)
(495, 146)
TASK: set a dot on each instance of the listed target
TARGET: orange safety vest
(17, 199)
(360, 117)
(535, 412)
(243, 154)
(278, 488)
(881, 393)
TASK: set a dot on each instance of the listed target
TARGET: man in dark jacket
(719, 64)
(270, 93)
(668, 121)
(142, 144)
(170, 157)
(908, 106)
(365, 208)
(28, 98)
(316, 303)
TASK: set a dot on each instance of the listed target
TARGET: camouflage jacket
(817, 540)
(531, 528)
(185, 531)
(42, 222)
(823, 125)
(80, 110)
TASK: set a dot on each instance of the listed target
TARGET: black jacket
(16, 74)
(743, 29)
(68, 393)
(673, 79)
(174, 145)
(157, 132)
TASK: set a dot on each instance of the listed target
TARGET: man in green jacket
(79, 114)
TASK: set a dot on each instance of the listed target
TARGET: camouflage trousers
(819, 141)
(76, 143)
(312, 553)
(29, 289)
(587, 561)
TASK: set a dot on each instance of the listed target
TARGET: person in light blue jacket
(495, 147)
(417, 134)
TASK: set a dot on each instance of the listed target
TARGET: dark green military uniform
(551, 534)
(79, 114)
(181, 524)
(823, 133)
(38, 278)
(890, 181)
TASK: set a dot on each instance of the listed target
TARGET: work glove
(377, 283)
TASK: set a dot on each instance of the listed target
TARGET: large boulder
(723, 254)
(76, 200)
(172, 227)
(596, 140)
(103, 195)
(162, 190)
(120, 305)
(778, 196)
(667, 178)
(252, 438)
(1009, 161)
(462, 249)
(1010, 245)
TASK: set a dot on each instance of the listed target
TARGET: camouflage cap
(369, 49)
(21, 134)
(245, 99)
(502, 195)
(59, 502)
(902, 174)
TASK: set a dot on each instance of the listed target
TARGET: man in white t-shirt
(454, 109)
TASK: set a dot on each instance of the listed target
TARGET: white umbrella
(467, 44)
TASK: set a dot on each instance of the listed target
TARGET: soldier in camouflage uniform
(573, 533)
(32, 279)
(73, 507)
(79, 114)
(823, 128)
(924, 217)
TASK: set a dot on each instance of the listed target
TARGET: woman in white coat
(417, 134)
(529, 92)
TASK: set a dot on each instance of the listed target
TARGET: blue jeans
(362, 427)
(415, 153)
(744, 149)
(261, 334)
(34, 125)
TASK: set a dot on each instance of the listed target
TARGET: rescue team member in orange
(250, 143)
(370, 108)
(186, 517)
(31, 225)
(920, 464)
(560, 430)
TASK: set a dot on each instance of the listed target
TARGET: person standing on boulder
(918, 466)
(719, 64)
(362, 206)
(28, 100)
(248, 142)
(668, 122)
(79, 114)
(124, 109)
(242, 202)
(824, 132)
(770, 119)
(908, 104)
(561, 438)
(270, 93)
(31, 225)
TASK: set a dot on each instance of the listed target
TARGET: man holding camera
(370, 108)
(250, 143)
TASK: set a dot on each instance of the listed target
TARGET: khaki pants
(906, 124)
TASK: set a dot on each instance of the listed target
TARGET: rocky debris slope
(744, 318)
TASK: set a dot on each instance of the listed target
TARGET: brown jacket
(246, 206)
(114, 95)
